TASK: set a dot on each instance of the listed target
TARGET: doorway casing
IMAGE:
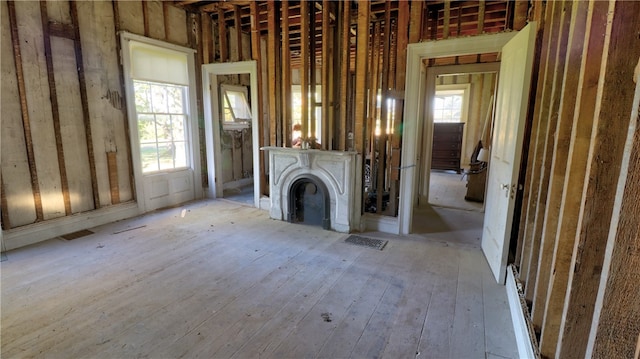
(212, 123)
(414, 108)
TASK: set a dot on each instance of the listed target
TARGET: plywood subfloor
(225, 281)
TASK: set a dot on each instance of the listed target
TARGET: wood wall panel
(605, 156)
(131, 16)
(14, 162)
(38, 98)
(155, 17)
(177, 32)
(107, 110)
(72, 128)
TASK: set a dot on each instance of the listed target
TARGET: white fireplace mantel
(340, 172)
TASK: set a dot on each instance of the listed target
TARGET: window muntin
(162, 125)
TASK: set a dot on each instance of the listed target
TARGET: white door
(511, 111)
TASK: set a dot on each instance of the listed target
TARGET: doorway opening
(231, 131)
(460, 110)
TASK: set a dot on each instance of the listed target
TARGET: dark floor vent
(367, 242)
(78, 234)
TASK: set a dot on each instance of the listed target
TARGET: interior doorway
(231, 131)
(459, 108)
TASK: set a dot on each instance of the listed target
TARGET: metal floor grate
(367, 242)
(78, 234)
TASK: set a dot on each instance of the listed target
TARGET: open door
(511, 111)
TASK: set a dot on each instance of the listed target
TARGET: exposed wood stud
(345, 59)
(547, 303)
(207, 41)
(85, 105)
(145, 17)
(520, 15)
(64, 182)
(116, 21)
(238, 25)
(327, 116)
(481, 11)
(6, 223)
(165, 19)
(312, 72)
(447, 19)
(286, 76)
(415, 21)
(545, 202)
(382, 136)
(222, 37)
(541, 116)
(26, 123)
(256, 55)
(304, 69)
(362, 46)
(112, 168)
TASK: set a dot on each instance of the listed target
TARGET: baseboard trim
(42, 231)
(522, 326)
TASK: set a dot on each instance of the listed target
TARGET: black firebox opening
(309, 202)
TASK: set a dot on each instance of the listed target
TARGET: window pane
(180, 154)
(177, 127)
(159, 99)
(163, 127)
(149, 157)
(175, 99)
(142, 92)
(165, 155)
(146, 129)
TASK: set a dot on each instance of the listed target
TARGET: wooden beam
(26, 123)
(415, 21)
(86, 117)
(4, 209)
(273, 41)
(551, 112)
(327, 116)
(345, 59)
(481, 10)
(520, 15)
(382, 138)
(312, 73)
(304, 69)
(222, 37)
(605, 155)
(207, 39)
(64, 182)
(256, 56)
(583, 118)
(535, 158)
(447, 19)
(145, 18)
(559, 147)
(112, 169)
(238, 25)
(165, 20)
(362, 48)
(286, 77)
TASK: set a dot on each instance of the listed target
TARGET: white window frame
(191, 123)
(452, 89)
(238, 123)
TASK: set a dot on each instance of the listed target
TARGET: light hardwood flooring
(214, 279)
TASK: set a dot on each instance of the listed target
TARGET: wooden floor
(215, 279)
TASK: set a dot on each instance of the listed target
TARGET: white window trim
(192, 120)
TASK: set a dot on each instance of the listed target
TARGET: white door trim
(212, 122)
(414, 106)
